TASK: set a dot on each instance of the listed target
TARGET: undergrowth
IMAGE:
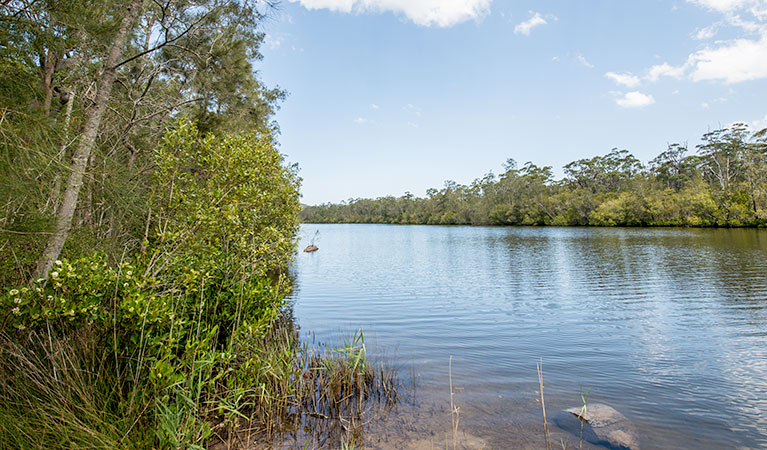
(184, 342)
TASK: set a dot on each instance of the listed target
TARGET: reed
(66, 392)
(455, 416)
(546, 434)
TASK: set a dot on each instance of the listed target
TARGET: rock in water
(602, 425)
(311, 248)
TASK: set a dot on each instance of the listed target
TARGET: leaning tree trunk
(85, 146)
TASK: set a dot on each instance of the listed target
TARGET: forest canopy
(722, 182)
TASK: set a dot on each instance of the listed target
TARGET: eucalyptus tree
(609, 173)
(671, 167)
(132, 65)
(723, 153)
(94, 116)
(755, 172)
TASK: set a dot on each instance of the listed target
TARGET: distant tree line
(723, 183)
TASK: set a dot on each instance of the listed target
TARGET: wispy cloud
(755, 7)
(362, 121)
(527, 26)
(413, 109)
(706, 33)
(625, 79)
(583, 61)
(441, 13)
(272, 41)
(374, 107)
(759, 124)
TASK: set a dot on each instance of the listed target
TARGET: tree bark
(53, 197)
(47, 66)
(85, 146)
(48, 82)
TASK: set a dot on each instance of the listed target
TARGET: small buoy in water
(311, 248)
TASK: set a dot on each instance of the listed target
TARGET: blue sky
(389, 96)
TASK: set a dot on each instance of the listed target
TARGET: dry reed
(546, 435)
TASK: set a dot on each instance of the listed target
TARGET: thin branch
(164, 43)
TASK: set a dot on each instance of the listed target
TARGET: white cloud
(634, 99)
(734, 62)
(442, 13)
(730, 6)
(527, 26)
(665, 70)
(361, 121)
(720, 5)
(626, 79)
(581, 59)
(731, 61)
(374, 107)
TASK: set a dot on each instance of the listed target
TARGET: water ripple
(667, 325)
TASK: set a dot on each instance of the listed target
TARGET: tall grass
(67, 390)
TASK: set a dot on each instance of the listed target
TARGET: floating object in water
(311, 248)
(602, 425)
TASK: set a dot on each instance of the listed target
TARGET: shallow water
(669, 326)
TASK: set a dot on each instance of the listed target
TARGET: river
(668, 326)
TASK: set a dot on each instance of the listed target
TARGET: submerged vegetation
(147, 222)
(723, 184)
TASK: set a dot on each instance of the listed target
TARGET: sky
(394, 96)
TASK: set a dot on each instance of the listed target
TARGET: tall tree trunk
(53, 197)
(48, 69)
(85, 146)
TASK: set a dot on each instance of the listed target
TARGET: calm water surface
(669, 326)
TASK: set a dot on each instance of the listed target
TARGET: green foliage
(228, 205)
(180, 327)
(724, 185)
(54, 50)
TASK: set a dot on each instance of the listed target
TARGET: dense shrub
(171, 339)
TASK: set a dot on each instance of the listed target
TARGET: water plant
(454, 410)
(582, 415)
(546, 435)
